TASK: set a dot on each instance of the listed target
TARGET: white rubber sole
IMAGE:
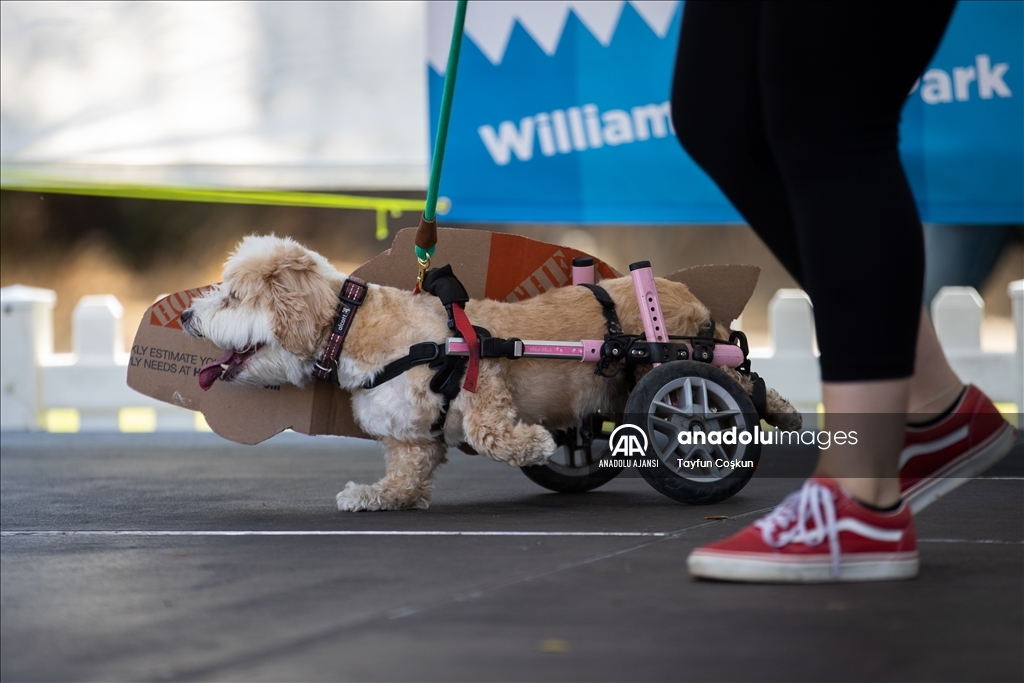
(958, 472)
(754, 568)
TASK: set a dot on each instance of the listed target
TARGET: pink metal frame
(582, 275)
(647, 299)
(589, 350)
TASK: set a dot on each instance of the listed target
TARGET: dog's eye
(232, 295)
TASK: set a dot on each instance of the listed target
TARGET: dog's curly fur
(281, 297)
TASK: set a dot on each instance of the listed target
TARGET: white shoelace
(787, 523)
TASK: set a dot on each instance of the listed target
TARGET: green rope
(425, 254)
(430, 210)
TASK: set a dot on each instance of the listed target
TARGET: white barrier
(790, 364)
(91, 380)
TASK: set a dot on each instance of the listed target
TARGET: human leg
(879, 412)
(952, 432)
(934, 386)
(834, 79)
(717, 114)
(854, 216)
(860, 237)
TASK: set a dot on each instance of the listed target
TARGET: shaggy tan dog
(274, 312)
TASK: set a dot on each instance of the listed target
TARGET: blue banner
(561, 114)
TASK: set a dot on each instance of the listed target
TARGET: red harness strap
(350, 299)
(464, 327)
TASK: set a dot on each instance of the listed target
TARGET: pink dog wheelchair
(685, 392)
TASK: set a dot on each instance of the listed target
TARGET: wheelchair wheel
(687, 396)
(574, 466)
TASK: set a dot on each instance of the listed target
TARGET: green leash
(426, 234)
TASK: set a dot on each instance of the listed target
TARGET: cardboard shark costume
(165, 362)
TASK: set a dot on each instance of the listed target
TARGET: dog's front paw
(781, 413)
(356, 497)
(537, 449)
(787, 421)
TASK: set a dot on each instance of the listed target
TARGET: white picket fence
(790, 364)
(91, 380)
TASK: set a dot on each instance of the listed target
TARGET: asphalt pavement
(232, 563)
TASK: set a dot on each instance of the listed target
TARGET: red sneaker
(818, 534)
(940, 457)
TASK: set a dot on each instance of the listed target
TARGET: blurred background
(324, 97)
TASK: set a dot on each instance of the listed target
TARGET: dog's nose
(186, 315)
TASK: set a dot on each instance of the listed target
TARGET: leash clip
(424, 267)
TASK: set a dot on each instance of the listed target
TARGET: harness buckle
(436, 348)
(496, 347)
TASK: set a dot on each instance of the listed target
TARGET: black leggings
(793, 109)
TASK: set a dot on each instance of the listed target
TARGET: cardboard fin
(491, 265)
(724, 289)
(465, 250)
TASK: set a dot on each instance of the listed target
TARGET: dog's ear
(303, 303)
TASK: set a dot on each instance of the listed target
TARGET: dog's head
(270, 314)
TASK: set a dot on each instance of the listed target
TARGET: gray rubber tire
(687, 395)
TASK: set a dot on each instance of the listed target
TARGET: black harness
(611, 319)
(613, 350)
(448, 370)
